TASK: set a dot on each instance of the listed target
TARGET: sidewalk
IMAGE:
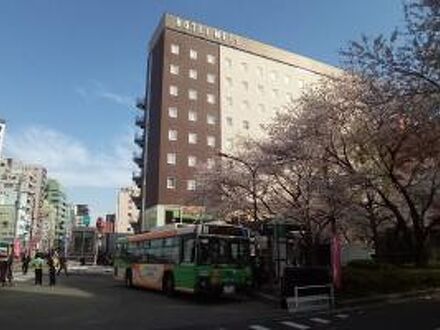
(342, 304)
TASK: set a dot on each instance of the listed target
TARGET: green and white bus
(212, 258)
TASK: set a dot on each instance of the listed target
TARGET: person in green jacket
(38, 263)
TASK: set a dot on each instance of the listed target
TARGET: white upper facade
(253, 89)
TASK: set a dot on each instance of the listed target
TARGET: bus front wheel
(168, 284)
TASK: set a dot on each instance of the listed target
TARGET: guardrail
(311, 297)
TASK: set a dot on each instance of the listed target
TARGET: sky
(70, 72)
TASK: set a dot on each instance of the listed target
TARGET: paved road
(88, 301)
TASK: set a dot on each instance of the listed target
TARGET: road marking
(258, 327)
(295, 325)
(342, 316)
(320, 320)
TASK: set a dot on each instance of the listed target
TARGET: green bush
(359, 280)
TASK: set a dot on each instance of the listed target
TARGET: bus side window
(188, 250)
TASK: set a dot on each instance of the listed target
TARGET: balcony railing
(140, 121)
(137, 178)
(139, 139)
(138, 158)
(141, 103)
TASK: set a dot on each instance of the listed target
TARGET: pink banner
(17, 248)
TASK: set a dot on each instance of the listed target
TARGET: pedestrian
(3, 270)
(25, 263)
(52, 270)
(37, 263)
(9, 267)
(62, 265)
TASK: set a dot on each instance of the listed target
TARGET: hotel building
(206, 90)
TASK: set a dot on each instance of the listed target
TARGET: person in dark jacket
(52, 270)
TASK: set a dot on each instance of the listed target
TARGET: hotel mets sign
(203, 30)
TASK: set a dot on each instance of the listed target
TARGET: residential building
(127, 211)
(207, 91)
(2, 136)
(56, 197)
(21, 188)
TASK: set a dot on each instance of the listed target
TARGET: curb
(356, 302)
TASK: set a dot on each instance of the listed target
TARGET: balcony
(137, 200)
(140, 121)
(138, 158)
(139, 139)
(141, 103)
(137, 178)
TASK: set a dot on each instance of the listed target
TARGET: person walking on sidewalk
(25, 263)
(52, 270)
(37, 263)
(62, 265)
(3, 269)
(9, 267)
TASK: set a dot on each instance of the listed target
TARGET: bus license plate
(229, 289)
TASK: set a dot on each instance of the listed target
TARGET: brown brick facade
(160, 122)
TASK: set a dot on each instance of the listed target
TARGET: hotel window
(245, 85)
(174, 91)
(245, 105)
(171, 182)
(192, 138)
(172, 112)
(229, 121)
(174, 69)
(210, 59)
(193, 74)
(191, 185)
(192, 161)
(229, 143)
(171, 158)
(210, 119)
(175, 49)
(193, 54)
(260, 72)
(244, 66)
(192, 94)
(192, 115)
(210, 163)
(210, 98)
(210, 78)
(228, 63)
(172, 135)
(229, 82)
(210, 140)
(260, 89)
(245, 124)
(229, 101)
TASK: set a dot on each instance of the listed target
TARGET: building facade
(207, 90)
(127, 211)
(22, 189)
(57, 199)
(2, 136)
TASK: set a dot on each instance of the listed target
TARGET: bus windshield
(221, 250)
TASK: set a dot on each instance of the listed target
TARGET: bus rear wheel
(168, 285)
